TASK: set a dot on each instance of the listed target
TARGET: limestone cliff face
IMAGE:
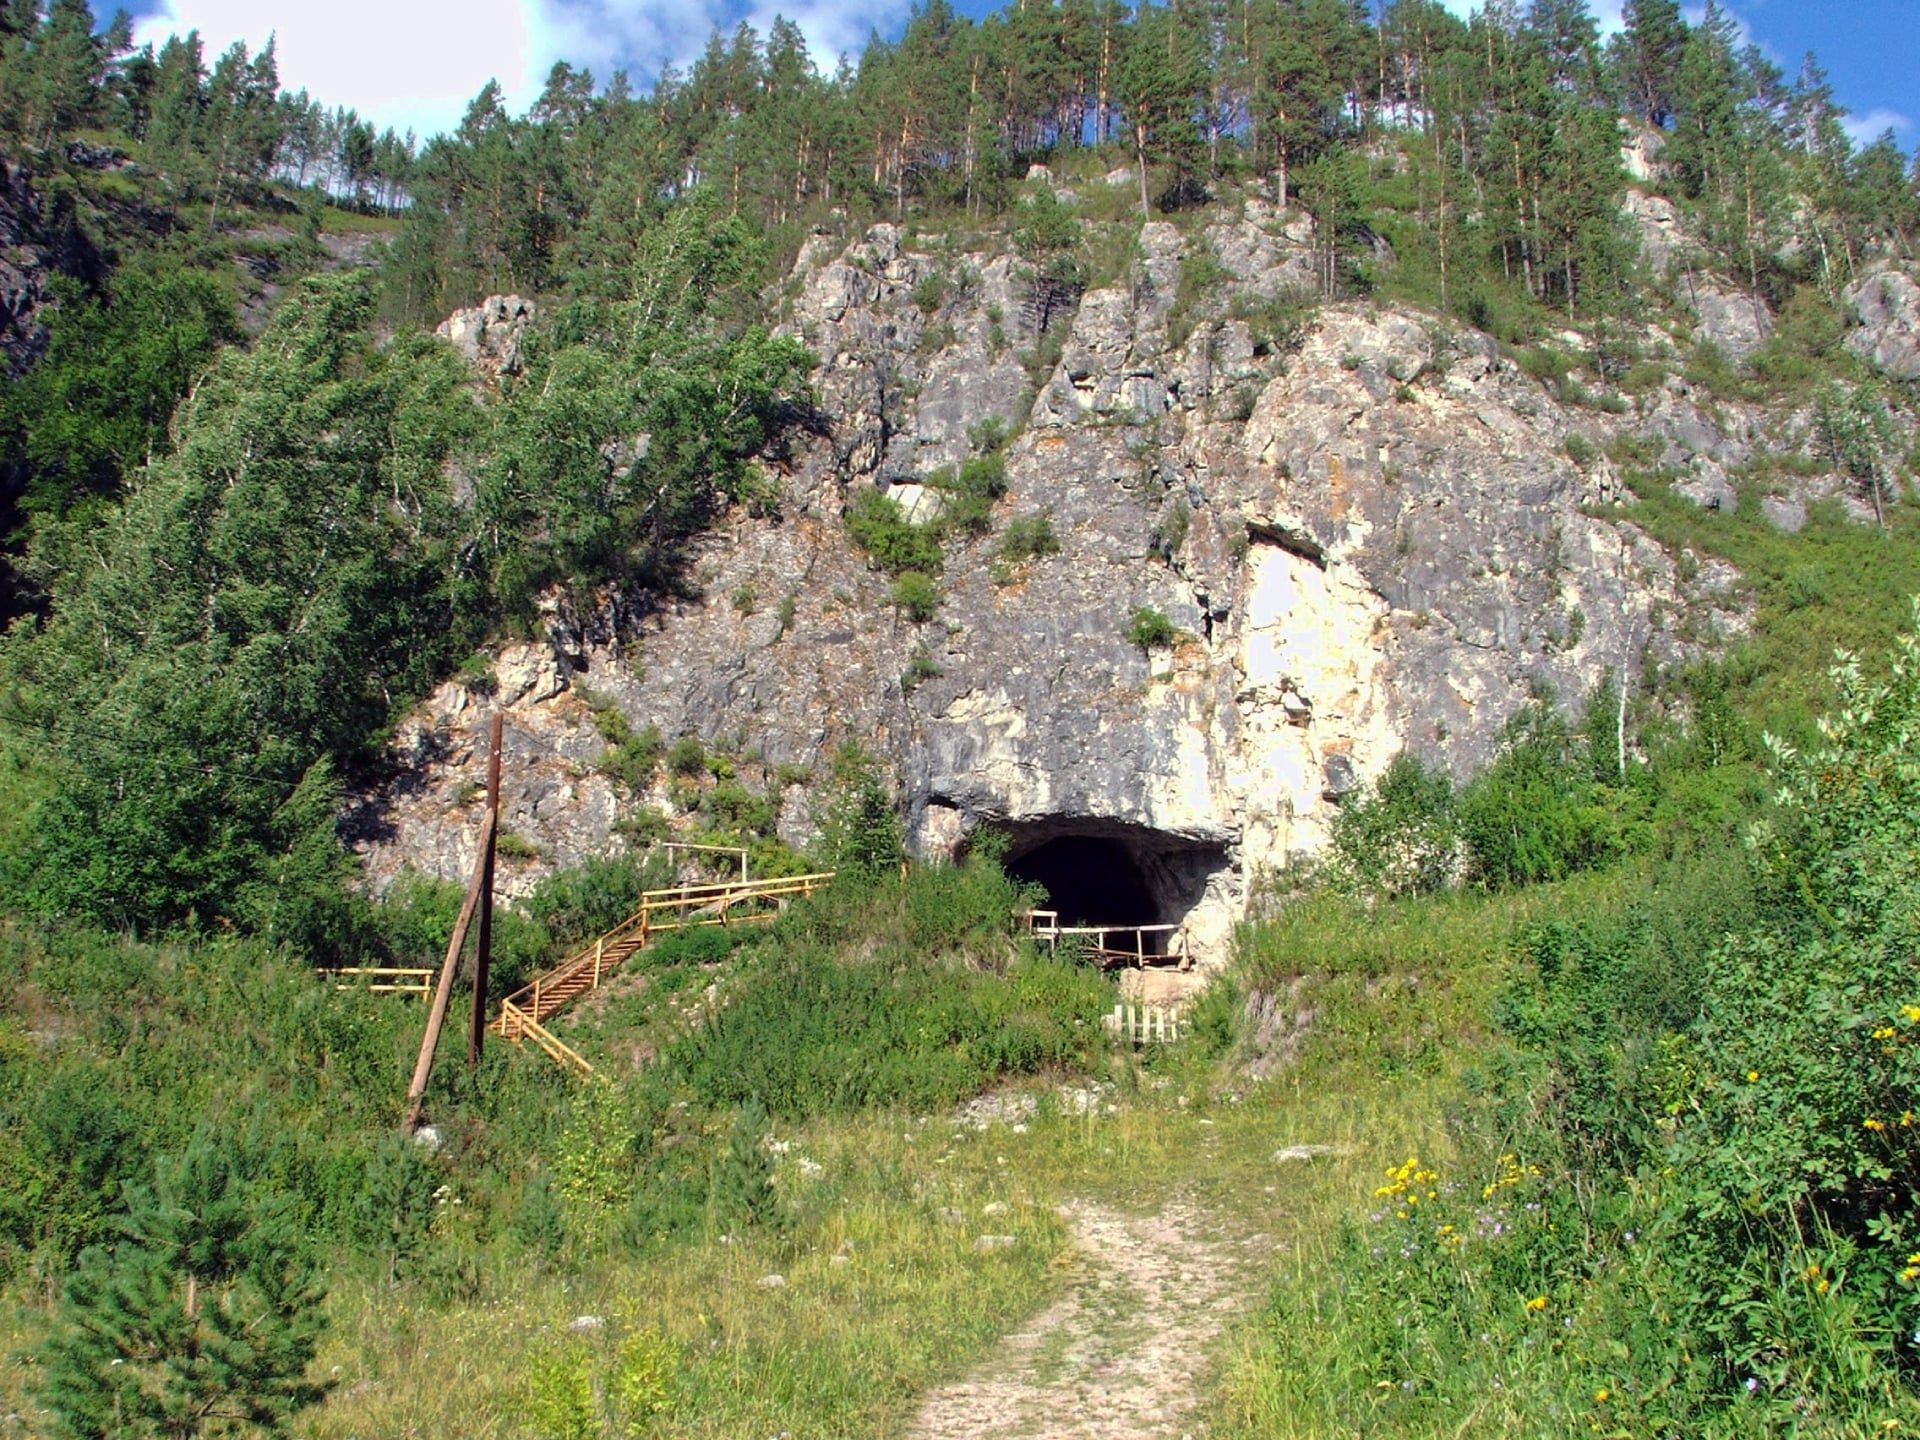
(1373, 539)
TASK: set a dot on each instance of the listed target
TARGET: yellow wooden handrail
(520, 1012)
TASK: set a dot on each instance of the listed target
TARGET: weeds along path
(1121, 1354)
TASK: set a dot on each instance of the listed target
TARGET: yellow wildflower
(1873, 1124)
(1601, 1396)
(1910, 1013)
(1537, 1304)
(1752, 1075)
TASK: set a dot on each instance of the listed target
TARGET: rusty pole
(477, 1035)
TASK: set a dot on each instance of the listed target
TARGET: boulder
(488, 335)
(1888, 308)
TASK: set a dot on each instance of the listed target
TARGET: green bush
(1536, 814)
(209, 1306)
(687, 757)
(1150, 629)
(921, 667)
(915, 595)
(1028, 537)
(1679, 1198)
(808, 1032)
(969, 488)
(893, 543)
(1400, 836)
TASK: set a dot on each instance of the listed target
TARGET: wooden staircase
(681, 907)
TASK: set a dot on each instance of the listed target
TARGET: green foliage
(862, 834)
(206, 1315)
(1202, 278)
(740, 1188)
(249, 629)
(1150, 629)
(915, 595)
(664, 361)
(1679, 1195)
(1401, 836)
(1536, 814)
(968, 491)
(1029, 537)
(921, 667)
(1795, 1137)
(92, 411)
(1170, 531)
(687, 757)
(1858, 435)
(895, 544)
(808, 1031)
(631, 756)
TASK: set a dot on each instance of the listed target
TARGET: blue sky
(415, 63)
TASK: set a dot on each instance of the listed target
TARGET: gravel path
(1120, 1354)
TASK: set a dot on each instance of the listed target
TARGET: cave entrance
(1104, 873)
(1090, 880)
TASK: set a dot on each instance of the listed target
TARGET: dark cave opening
(1112, 874)
(1090, 880)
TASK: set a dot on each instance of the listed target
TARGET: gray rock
(1291, 1153)
(1384, 541)
(1706, 485)
(488, 334)
(1785, 512)
(27, 270)
(985, 1243)
(1888, 308)
(1657, 222)
(1737, 323)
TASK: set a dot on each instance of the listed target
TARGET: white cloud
(1867, 127)
(411, 65)
(414, 64)
(1606, 12)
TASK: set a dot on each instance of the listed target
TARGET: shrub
(688, 757)
(913, 1024)
(969, 490)
(1150, 629)
(1170, 532)
(893, 543)
(1028, 537)
(1400, 837)
(862, 832)
(1535, 813)
(1795, 1133)
(916, 595)
(920, 667)
(210, 1306)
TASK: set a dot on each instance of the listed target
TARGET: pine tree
(862, 835)
(60, 73)
(204, 1317)
(1157, 80)
(1647, 54)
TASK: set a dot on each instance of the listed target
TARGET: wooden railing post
(599, 949)
(483, 953)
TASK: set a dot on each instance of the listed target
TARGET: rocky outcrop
(26, 274)
(488, 335)
(1888, 308)
(1370, 537)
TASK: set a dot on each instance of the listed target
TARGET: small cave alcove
(1112, 874)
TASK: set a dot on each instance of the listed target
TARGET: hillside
(1406, 524)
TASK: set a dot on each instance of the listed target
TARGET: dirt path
(1120, 1354)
